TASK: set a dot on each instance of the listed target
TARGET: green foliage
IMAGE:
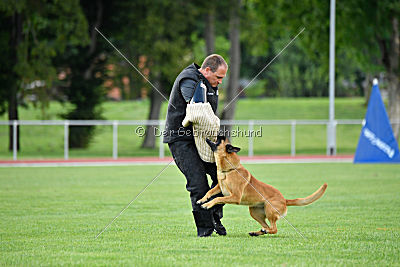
(295, 76)
(33, 33)
(302, 69)
(87, 73)
(52, 215)
(6, 65)
(156, 31)
(256, 89)
(168, 34)
(222, 46)
(48, 28)
(370, 27)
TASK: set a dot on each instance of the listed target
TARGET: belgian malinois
(240, 187)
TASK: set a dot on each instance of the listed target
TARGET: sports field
(50, 216)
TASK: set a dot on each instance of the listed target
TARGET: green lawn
(50, 216)
(47, 141)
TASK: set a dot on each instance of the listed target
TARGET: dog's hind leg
(273, 229)
(273, 216)
(258, 214)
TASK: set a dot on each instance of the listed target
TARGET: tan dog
(240, 187)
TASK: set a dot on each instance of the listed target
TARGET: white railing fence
(160, 123)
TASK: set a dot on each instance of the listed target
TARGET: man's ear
(230, 148)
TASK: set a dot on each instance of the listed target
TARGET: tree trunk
(13, 115)
(234, 68)
(394, 103)
(93, 39)
(155, 106)
(209, 33)
(366, 86)
(80, 136)
(393, 78)
(15, 40)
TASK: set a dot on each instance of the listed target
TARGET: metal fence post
(66, 139)
(331, 146)
(251, 138)
(161, 152)
(115, 139)
(293, 139)
(15, 138)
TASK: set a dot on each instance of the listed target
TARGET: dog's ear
(220, 138)
(230, 148)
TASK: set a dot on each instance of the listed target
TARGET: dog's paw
(206, 206)
(253, 234)
(261, 232)
(201, 201)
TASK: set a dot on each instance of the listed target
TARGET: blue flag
(377, 143)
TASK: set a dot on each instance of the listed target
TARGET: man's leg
(190, 164)
(211, 169)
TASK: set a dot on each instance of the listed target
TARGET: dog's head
(222, 145)
(225, 153)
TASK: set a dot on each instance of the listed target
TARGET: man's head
(214, 69)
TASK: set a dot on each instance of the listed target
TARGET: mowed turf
(50, 216)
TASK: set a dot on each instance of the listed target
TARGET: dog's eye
(230, 148)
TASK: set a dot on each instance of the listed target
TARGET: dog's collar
(227, 171)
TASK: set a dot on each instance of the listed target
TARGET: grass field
(47, 141)
(50, 216)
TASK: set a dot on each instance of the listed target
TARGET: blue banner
(377, 143)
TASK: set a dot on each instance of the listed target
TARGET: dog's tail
(308, 200)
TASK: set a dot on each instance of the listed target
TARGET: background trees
(85, 68)
(374, 41)
(33, 33)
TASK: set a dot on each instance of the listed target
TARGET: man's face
(216, 77)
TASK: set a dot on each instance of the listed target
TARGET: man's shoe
(204, 232)
(218, 227)
(204, 223)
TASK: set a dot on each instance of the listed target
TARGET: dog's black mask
(229, 147)
(215, 145)
(212, 144)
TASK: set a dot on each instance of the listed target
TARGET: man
(181, 142)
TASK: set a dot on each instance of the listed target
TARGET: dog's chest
(222, 184)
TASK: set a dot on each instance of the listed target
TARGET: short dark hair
(213, 62)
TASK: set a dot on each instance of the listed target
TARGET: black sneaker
(218, 227)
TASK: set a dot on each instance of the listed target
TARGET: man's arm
(187, 88)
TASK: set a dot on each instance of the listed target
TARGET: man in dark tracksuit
(181, 142)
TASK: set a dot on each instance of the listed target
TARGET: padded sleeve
(187, 88)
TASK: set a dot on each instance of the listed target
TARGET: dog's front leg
(232, 199)
(213, 191)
